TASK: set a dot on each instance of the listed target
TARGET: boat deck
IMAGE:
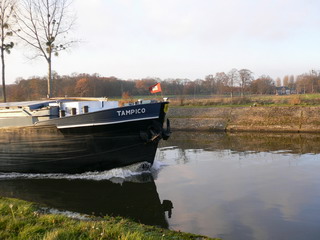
(27, 104)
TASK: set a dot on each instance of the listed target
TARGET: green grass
(25, 220)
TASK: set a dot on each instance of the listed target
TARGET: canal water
(231, 186)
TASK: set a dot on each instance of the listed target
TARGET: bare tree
(278, 82)
(314, 80)
(246, 78)
(292, 84)
(210, 81)
(308, 82)
(233, 75)
(221, 80)
(263, 85)
(6, 23)
(286, 81)
(44, 25)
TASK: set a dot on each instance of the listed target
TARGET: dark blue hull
(88, 142)
(135, 113)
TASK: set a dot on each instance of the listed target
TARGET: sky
(134, 39)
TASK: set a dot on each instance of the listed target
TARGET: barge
(79, 135)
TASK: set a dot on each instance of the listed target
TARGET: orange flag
(155, 88)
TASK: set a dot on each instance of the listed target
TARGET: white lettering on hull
(131, 112)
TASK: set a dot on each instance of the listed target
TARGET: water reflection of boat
(85, 136)
(135, 200)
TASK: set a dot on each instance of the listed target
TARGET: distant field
(253, 100)
(223, 100)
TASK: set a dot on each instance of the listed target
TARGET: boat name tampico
(131, 111)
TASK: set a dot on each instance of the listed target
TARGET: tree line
(233, 83)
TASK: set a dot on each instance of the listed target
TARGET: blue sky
(132, 39)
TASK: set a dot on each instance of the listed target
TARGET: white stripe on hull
(104, 123)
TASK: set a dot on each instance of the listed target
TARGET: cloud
(208, 21)
(276, 20)
(191, 38)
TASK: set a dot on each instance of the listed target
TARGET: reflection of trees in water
(245, 142)
(183, 156)
(176, 154)
(179, 155)
(186, 154)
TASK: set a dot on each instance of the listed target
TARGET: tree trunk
(3, 76)
(231, 88)
(49, 95)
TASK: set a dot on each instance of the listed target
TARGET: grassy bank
(25, 220)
